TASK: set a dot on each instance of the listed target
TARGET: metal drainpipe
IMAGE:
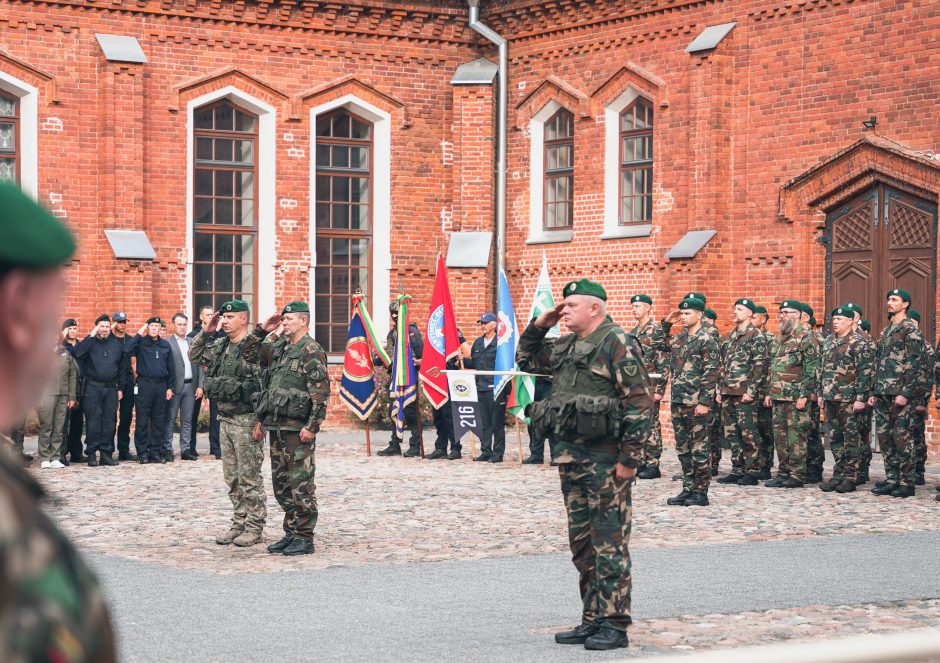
(502, 101)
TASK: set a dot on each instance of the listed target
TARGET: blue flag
(357, 388)
(507, 336)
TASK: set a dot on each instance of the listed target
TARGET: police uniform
(101, 360)
(126, 387)
(155, 375)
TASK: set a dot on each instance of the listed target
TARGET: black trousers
(444, 425)
(150, 431)
(214, 447)
(100, 405)
(536, 444)
(493, 413)
(411, 423)
(76, 426)
(125, 414)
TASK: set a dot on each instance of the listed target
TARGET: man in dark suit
(205, 314)
(187, 387)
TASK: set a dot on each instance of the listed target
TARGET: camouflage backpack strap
(217, 360)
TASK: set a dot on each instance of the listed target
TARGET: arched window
(559, 170)
(225, 209)
(636, 162)
(9, 138)
(343, 221)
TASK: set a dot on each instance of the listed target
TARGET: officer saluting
(599, 415)
(101, 358)
(156, 376)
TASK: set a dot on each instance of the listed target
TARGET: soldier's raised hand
(213, 323)
(271, 323)
(550, 318)
(673, 317)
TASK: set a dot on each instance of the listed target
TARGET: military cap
(855, 308)
(914, 315)
(747, 303)
(119, 316)
(864, 324)
(843, 312)
(697, 295)
(691, 304)
(761, 310)
(154, 319)
(808, 310)
(646, 299)
(69, 322)
(710, 314)
(29, 235)
(585, 287)
(900, 292)
(102, 318)
(296, 307)
(790, 303)
(812, 320)
(235, 306)
(163, 323)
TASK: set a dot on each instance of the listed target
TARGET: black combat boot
(829, 486)
(188, 455)
(92, 461)
(696, 498)
(127, 455)
(280, 545)
(846, 486)
(106, 459)
(764, 474)
(483, 457)
(393, 449)
(649, 472)
(436, 454)
(777, 481)
(454, 455)
(607, 638)
(532, 460)
(298, 547)
(577, 635)
(679, 500)
(748, 480)
(413, 451)
(903, 491)
(792, 482)
(730, 478)
(885, 488)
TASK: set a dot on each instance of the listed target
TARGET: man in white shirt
(187, 389)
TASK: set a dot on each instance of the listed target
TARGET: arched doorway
(882, 239)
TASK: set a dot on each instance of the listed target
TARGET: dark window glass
(636, 163)
(559, 171)
(9, 138)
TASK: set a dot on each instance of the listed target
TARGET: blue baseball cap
(487, 317)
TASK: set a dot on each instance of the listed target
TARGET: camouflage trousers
(765, 425)
(600, 515)
(791, 430)
(691, 435)
(847, 435)
(865, 454)
(715, 437)
(894, 425)
(653, 448)
(292, 472)
(241, 469)
(739, 424)
(920, 440)
(815, 451)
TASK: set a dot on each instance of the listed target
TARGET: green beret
(760, 309)
(855, 308)
(864, 324)
(900, 292)
(809, 310)
(843, 312)
(914, 315)
(812, 320)
(646, 299)
(585, 287)
(710, 314)
(296, 307)
(235, 306)
(697, 295)
(791, 303)
(692, 304)
(155, 319)
(29, 235)
(747, 303)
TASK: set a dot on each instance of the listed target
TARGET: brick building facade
(299, 148)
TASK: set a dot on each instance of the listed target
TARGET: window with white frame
(551, 175)
(628, 166)
(9, 137)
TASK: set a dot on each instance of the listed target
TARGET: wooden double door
(880, 240)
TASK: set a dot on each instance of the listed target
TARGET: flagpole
(518, 439)
(420, 432)
(368, 440)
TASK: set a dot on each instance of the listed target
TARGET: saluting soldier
(156, 377)
(232, 382)
(695, 370)
(765, 423)
(599, 414)
(844, 388)
(655, 362)
(744, 372)
(291, 408)
(794, 362)
(920, 410)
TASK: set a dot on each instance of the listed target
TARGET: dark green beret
(843, 312)
(710, 314)
(697, 295)
(900, 292)
(296, 307)
(808, 310)
(864, 324)
(585, 287)
(914, 315)
(760, 309)
(692, 304)
(29, 235)
(812, 320)
(791, 303)
(855, 308)
(646, 299)
(235, 306)
(155, 319)
(747, 303)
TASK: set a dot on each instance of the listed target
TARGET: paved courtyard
(423, 560)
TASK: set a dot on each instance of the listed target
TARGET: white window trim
(612, 227)
(266, 164)
(537, 232)
(28, 138)
(381, 201)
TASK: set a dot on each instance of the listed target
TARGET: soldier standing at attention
(51, 608)
(899, 383)
(696, 368)
(156, 376)
(920, 411)
(655, 362)
(862, 328)
(844, 387)
(292, 407)
(794, 362)
(600, 411)
(231, 382)
(764, 413)
(126, 387)
(815, 451)
(744, 371)
(715, 433)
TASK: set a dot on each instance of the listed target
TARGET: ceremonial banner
(403, 388)
(378, 346)
(442, 342)
(465, 405)
(357, 388)
(507, 336)
(524, 386)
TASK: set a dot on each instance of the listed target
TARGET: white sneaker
(46, 464)
(56, 464)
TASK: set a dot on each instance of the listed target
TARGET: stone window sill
(621, 232)
(551, 237)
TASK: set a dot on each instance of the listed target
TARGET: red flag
(441, 342)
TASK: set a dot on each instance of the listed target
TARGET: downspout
(502, 105)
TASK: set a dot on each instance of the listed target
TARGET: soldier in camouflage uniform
(815, 451)
(844, 388)
(598, 415)
(765, 420)
(716, 439)
(744, 371)
(920, 411)
(898, 384)
(863, 329)
(51, 607)
(695, 369)
(655, 364)
(291, 408)
(794, 362)
(231, 382)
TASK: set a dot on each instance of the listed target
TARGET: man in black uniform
(155, 377)
(444, 417)
(101, 358)
(492, 409)
(126, 387)
(411, 410)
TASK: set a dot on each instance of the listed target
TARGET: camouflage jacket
(769, 336)
(845, 369)
(655, 361)
(608, 362)
(712, 330)
(794, 366)
(930, 367)
(51, 608)
(216, 355)
(744, 363)
(901, 362)
(296, 386)
(695, 364)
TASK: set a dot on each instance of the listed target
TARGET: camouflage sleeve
(915, 381)
(663, 367)
(823, 354)
(256, 350)
(810, 378)
(636, 400)
(711, 371)
(534, 351)
(202, 351)
(318, 385)
(865, 371)
(661, 340)
(759, 361)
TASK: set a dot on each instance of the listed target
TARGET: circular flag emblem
(436, 329)
(357, 362)
(504, 331)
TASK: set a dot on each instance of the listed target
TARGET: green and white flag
(524, 388)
